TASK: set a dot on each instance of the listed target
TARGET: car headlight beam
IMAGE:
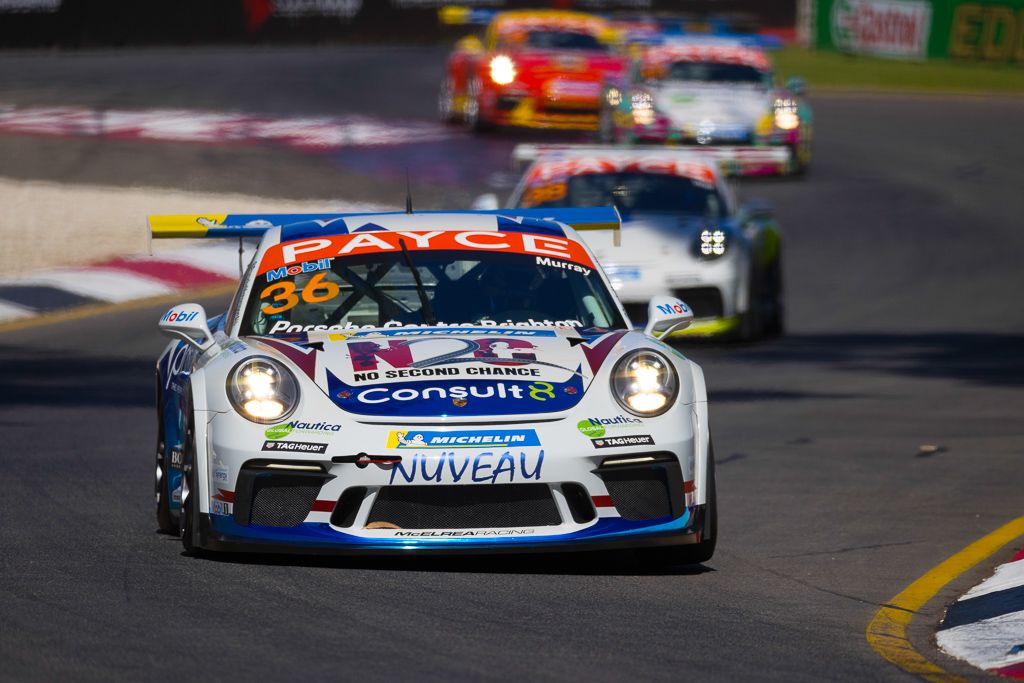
(642, 105)
(503, 70)
(787, 115)
(262, 390)
(713, 243)
(645, 383)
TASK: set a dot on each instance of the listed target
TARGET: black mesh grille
(274, 504)
(465, 507)
(706, 302)
(639, 493)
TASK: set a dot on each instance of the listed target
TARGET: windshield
(558, 40)
(629, 191)
(714, 72)
(471, 286)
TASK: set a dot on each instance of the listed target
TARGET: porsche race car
(534, 69)
(710, 92)
(683, 233)
(429, 383)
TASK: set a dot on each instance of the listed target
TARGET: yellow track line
(887, 632)
(90, 310)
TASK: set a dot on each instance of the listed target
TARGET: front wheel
(606, 127)
(446, 103)
(164, 522)
(189, 490)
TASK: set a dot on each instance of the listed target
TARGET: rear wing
(255, 225)
(732, 160)
(455, 15)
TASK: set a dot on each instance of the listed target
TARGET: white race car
(716, 94)
(429, 382)
(683, 233)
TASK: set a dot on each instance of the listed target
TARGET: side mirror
(486, 202)
(797, 86)
(666, 314)
(188, 322)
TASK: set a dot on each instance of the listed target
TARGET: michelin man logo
(416, 441)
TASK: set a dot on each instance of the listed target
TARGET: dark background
(95, 23)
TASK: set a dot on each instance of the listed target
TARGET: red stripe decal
(324, 505)
(603, 501)
(1018, 556)
(169, 272)
(226, 496)
(1011, 671)
(688, 487)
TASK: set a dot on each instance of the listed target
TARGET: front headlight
(645, 383)
(786, 114)
(262, 390)
(642, 105)
(713, 243)
(503, 70)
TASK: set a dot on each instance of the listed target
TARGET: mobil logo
(678, 308)
(173, 316)
(367, 356)
(306, 267)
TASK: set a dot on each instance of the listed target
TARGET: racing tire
(775, 324)
(189, 491)
(165, 523)
(751, 325)
(801, 155)
(697, 553)
(606, 127)
(471, 111)
(445, 103)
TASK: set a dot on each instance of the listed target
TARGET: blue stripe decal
(319, 534)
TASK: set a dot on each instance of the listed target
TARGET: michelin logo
(462, 439)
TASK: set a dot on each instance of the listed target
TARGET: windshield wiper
(425, 310)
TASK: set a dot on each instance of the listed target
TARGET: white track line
(106, 285)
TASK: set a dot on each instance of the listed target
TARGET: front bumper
(716, 291)
(588, 507)
(533, 111)
(224, 535)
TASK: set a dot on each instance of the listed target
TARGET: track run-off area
(880, 436)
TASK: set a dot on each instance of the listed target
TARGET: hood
(567, 73)
(687, 104)
(449, 372)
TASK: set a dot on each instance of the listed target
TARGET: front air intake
(269, 496)
(464, 507)
(644, 485)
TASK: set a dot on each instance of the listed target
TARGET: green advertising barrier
(983, 30)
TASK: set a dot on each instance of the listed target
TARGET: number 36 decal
(283, 297)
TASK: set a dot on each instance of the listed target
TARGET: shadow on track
(57, 378)
(596, 563)
(978, 358)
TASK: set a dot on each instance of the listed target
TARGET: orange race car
(533, 68)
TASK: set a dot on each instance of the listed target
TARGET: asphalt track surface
(902, 255)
